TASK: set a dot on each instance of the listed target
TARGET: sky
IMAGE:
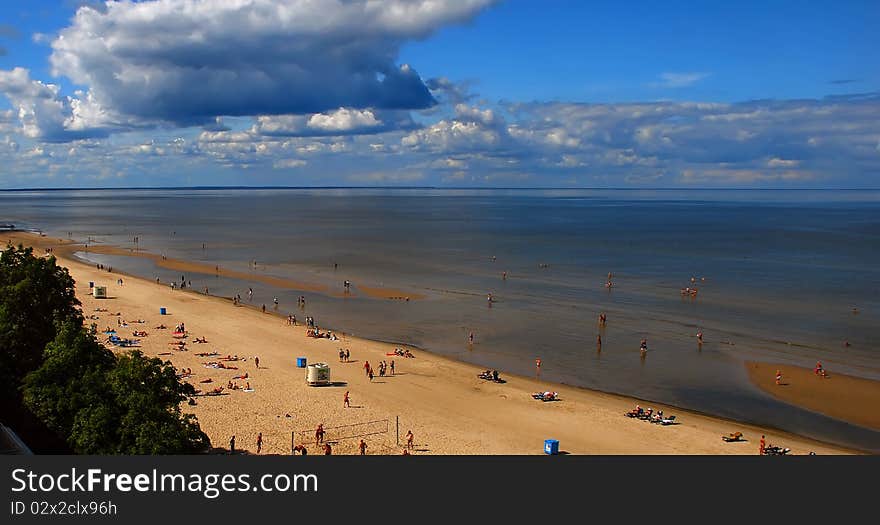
(466, 93)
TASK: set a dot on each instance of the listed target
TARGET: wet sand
(447, 407)
(840, 396)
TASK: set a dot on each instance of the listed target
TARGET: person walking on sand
(232, 445)
(367, 367)
(347, 355)
(409, 439)
(362, 447)
(370, 374)
(761, 446)
(392, 367)
(779, 377)
(346, 401)
(327, 450)
(264, 308)
(259, 442)
(257, 362)
(319, 434)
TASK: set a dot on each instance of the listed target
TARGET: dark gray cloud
(189, 61)
(450, 92)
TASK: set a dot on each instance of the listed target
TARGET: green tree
(148, 395)
(107, 404)
(71, 378)
(36, 296)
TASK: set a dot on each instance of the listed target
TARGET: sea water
(778, 273)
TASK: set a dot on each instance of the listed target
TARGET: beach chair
(668, 421)
(734, 436)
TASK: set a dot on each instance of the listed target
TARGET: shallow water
(783, 271)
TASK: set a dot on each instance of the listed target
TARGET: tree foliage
(71, 377)
(36, 295)
(97, 401)
(107, 404)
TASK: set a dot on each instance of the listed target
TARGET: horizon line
(275, 187)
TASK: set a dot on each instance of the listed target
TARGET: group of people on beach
(403, 353)
(344, 355)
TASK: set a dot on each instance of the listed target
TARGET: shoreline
(839, 396)
(450, 385)
(170, 263)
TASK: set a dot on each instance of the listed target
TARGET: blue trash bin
(551, 446)
(162, 311)
(301, 362)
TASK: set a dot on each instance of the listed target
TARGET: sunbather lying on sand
(198, 340)
(546, 396)
(161, 327)
(216, 364)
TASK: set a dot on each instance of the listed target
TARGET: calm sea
(778, 273)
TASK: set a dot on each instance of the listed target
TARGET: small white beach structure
(99, 292)
(318, 374)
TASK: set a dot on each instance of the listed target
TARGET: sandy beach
(446, 406)
(837, 395)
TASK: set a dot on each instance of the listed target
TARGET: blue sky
(470, 93)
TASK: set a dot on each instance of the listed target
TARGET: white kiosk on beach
(318, 374)
(99, 292)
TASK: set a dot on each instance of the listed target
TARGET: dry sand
(840, 396)
(447, 407)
